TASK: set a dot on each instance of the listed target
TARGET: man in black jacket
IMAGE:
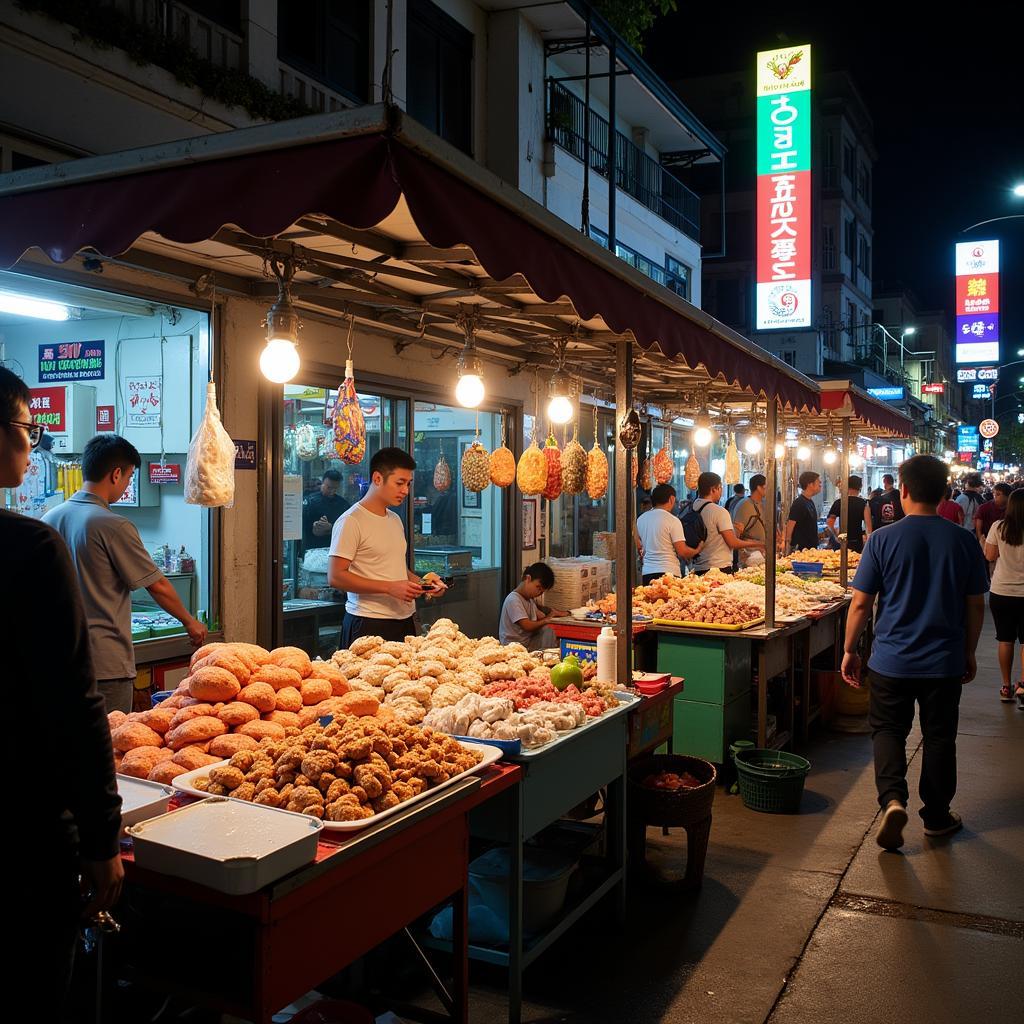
(73, 869)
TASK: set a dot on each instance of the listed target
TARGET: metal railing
(636, 173)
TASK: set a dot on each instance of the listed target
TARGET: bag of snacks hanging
(476, 468)
(574, 465)
(664, 466)
(210, 468)
(553, 459)
(532, 472)
(348, 421)
(442, 474)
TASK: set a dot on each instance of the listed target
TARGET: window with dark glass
(828, 248)
(328, 40)
(849, 160)
(440, 74)
(226, 13)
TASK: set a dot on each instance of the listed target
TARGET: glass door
(457, 533)
(317, 488)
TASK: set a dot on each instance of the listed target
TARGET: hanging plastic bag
(210, 469)
(349, 423)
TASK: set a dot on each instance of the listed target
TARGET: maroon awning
(358, 182)
(851, 402)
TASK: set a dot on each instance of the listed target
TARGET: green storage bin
(716, 670)
(706, 730)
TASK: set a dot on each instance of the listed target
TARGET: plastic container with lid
(606, 655)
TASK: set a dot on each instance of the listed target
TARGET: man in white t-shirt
(660, 539)
(721, 540)
(368, 557)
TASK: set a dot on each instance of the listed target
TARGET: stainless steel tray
(228, 845)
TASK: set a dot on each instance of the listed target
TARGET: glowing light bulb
(780, 451)
(752, 445)
(279, 361)
(469, 391)
(702, 437)
(830, 456)
(560, 409)
(803, 453)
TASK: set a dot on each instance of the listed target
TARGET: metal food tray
(229, 845)
(715, 626)
(185, 784)
(141, 799)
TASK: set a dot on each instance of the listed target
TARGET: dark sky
(947, 98)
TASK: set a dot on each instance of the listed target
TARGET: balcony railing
(635, 172)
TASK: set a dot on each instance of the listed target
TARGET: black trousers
(356, 626)
(891, 718)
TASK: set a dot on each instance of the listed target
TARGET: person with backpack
(708, 522)
(750, 521)
(659, 537)
(738, 494)
(884, 509)
(970, 499)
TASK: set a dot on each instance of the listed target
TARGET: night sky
(947, 101)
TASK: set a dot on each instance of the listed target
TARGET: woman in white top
(1005, 546)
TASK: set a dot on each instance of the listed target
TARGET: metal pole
(844, 504)
(612, 146)
(625, 550)
(585, 212)
(771, 547)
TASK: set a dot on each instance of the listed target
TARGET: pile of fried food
(652, 598)
(828, 558)
(349, 770)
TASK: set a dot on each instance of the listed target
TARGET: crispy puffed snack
(116, 719)
(203, 651)
(356, 703)
(293, 658)
(172, 703)
(194, 757)
(228, 660)
(251, 654)
(382, 658)
(364, 646)
(285, 718)
(140, 761)
(394, 647)
(227, 746)
(158, 719)
(261, 696)
(211, 683)
(314, 690)
(237, 713)
(196, 730)
(165, 772)
(134, 734)
(288, 699)
(329, 671)
(278, 676)
(227, 776)
(385, 714)
(261, 730)
(183, 715)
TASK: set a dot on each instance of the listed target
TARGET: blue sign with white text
(893, 394)
(71, 360)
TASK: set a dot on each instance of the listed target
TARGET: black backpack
(695, 530)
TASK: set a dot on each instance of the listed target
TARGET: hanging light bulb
(469, 390)
(560, 408)
(703, 435)
(279, 360)
(780, 450)
(830, 456)
(803, 453)
(752, 445)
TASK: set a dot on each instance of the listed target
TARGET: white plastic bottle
(606, 655)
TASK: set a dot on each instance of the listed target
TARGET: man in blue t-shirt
(930, 580)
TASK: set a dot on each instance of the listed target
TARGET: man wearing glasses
(112, 562)
(75, 813)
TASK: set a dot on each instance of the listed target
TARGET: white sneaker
(890, 831)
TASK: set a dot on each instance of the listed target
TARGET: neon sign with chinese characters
(977, 302)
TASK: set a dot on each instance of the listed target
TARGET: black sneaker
(954, 824)
(890, 831)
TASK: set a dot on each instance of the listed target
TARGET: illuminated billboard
(783, 297)
(977, 302)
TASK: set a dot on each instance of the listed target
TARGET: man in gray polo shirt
(111, 562)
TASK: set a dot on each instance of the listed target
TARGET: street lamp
(1018, 190)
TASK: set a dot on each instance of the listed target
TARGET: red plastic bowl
(650, 689)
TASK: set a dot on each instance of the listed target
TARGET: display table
(824, 636)
(252, 955)
(650, 720)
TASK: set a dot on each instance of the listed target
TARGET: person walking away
(708, 522)
(321, 510)
(930, 581)
(854, 530)
(369, 556)
(74, 815)
(885, 508)
(523, 620)
(749, 521)
(991, 511)
(1004, 545)
(111, 562)
(970, 499)
(739, 492)
(802, 523)
(950, 510)
(659, 536)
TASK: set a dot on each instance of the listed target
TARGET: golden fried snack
(191, 758)
(165, 772)
(227, 746)
(226, 776)
(315, 690)
(270, 797)
(294, 658)
(226, 659)
(116, 719)
(381, 658)
(316, 762)
(135, 734)
(261, 730)
(172, 703)
(158, 719)
(261, 696)
(356, 703)
(385, 802)
(278, 676)
(364, 646)
(237, 713)
(327, 670)
(202, 784)
(211, 683)
(285, 718)
(203, 651)
(288, 699)
(215, 789)
(183, 715)
(386, 714)
(140, 761)
(198, 730)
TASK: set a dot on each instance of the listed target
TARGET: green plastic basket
(771, 781)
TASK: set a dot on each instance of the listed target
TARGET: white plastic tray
(186, 784)
(229, 845)
(141, 799)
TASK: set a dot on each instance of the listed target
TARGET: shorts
(1008, 615)
(355, 626)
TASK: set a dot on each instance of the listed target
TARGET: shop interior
(97, 362)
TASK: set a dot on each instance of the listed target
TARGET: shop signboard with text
(71, 360)
(934, 389)
(973, 374)
(783, 289)
(977, 302)
(48, 406)
(967, 439)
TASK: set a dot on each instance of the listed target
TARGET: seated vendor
(522, 619)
